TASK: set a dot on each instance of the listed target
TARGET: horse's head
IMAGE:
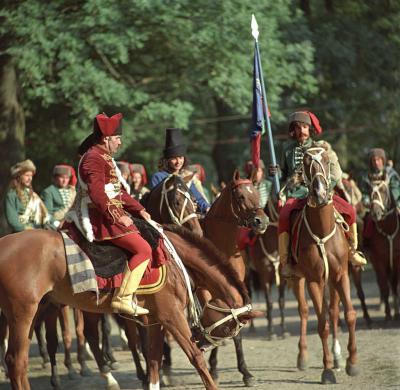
(177, 205)
(317, 175)
(219, 322)
(380, 199)
(245, 204)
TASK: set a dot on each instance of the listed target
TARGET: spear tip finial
(254, 27)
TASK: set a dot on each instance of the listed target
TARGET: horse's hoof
(271, 336)
(249, 381)
(285, 334)
(86, 371)
(301, 363)
(166, 377)
(368, 322)
(328, 377)
(45, 365)
(72, 374)
(352, 369)
(55, 383)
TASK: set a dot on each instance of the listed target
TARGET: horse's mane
(213, 253)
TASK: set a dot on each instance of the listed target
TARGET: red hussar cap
(109, 126)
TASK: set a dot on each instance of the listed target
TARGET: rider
(262, 185)
(103, 207)
(60, 196)
(139, 181)
(173, 162)
(300, 125)
(23, 207)
(125, 171)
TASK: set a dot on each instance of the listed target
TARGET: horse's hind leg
(281, 299)
(213, 361)
(343, 287)
(131, 334)
(154, 358)
(20, 324)
(334, 317)
(316, 291)
(41, 343)
(394, 283)
(248, 378)
(268, 301)
(81, 342)
(67, 340)
(91, 332)
(50, 319)
(302, 306)
(356, 274)
(106, 342)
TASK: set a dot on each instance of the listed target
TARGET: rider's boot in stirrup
(355, 257)
(122, 299)
(283, 249)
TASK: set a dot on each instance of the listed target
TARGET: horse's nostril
(257, 221)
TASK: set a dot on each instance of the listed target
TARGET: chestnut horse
(265, 260)
(322, 261)
(33, 264)
(237, 205)
(384, 243)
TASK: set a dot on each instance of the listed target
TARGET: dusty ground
(271, 362)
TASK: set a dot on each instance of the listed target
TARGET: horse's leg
(91, 332)
(67, 340)
(302, 306)
(281, 300)
(20, 323)
(179, 328)
(356, 274)
(316, 291)
(167, 362)
(268, 301)
(334, 316)
(81, 342)
(213, 361)
(154, 356)
(382, 279)
(394, 285)
(131, 334)
(343, 287)
(41, 343)
(50, 320)
(106, 342)
(248, 378)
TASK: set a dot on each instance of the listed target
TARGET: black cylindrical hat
(174, 143)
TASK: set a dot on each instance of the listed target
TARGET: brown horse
(171, 202)
(322, 260)
(384, 244)
(36, 260)
(265, 260)
(237, 205)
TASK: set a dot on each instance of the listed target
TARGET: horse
(322, 260)
(170, 201)
(36, 260)
(384, 243)
(237, 205)
(265, 260)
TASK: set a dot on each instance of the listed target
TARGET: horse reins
(188, 200)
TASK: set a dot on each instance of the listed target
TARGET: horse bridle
(378, 199)
(233, 314)
(180, 220)
(242, 221)
(316, 160)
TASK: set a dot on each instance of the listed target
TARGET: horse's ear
(236, 175)
(188, 177)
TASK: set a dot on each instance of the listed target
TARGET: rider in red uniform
(103, 208)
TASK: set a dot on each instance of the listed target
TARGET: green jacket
(14, 209)
(292, 167)
(264, 189)
(57, 203)
(394, 185)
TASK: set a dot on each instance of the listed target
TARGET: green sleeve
(11, 209)
(394, 186)
(47, 197)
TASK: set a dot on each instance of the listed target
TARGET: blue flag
(257, 118)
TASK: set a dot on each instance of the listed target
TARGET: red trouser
(345, 209)
(135, 244)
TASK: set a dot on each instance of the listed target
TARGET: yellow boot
(356, 257)
(283, 249)
(122, 299)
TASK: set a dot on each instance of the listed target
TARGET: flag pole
(255, 33)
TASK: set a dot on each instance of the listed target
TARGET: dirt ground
(273, 363)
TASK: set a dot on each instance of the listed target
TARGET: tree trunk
(12, 129)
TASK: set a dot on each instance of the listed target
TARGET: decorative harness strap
(390, 238)
(274, 260)
(164, 198)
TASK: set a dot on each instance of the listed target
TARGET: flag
(257, 128)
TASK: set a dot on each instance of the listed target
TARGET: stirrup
(358, 258)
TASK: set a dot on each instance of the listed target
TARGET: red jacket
(97, 171)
